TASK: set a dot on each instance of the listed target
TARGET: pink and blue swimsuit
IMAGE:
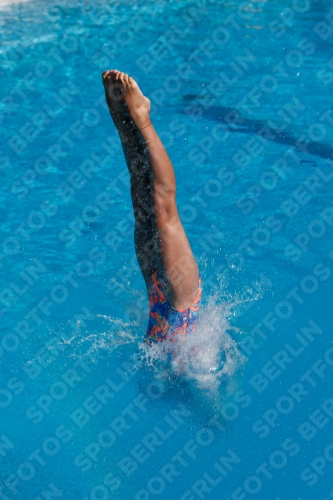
(166, 322)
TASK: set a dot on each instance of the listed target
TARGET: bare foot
(123, 94)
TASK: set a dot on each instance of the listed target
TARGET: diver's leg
(174, 255)
(180, 270)
(140, 182)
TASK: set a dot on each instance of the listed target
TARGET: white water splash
(103, 335)
(108, 335)
(207, 356)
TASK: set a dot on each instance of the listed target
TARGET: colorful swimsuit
(165, 322)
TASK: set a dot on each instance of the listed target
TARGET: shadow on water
(267, 130)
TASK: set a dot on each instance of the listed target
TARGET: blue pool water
(241, 96)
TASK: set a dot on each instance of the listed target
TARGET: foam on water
(205, 357)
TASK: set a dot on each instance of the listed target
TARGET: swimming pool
(240, 94)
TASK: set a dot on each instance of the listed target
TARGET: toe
(105, 74)
(132, 82)
(111, 74)
(116, 74)
(122, 78)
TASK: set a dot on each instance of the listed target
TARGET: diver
(162, 248)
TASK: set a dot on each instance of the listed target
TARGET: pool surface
(241, 95)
